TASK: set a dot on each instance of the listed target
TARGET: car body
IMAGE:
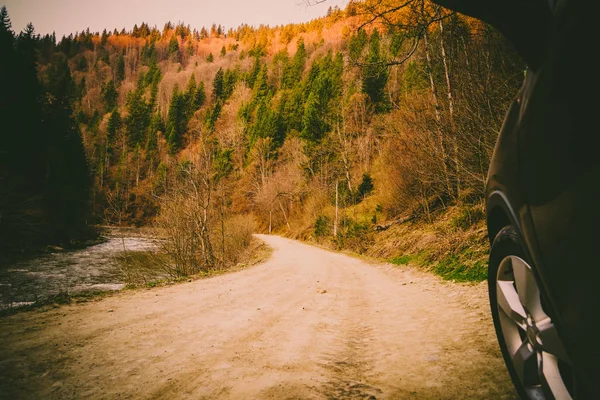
(543, 196)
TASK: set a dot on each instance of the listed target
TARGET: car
(543, 200)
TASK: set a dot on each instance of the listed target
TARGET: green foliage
(223, 51)
(357, 44)
(323, 85)
(222, 164)
(396, 42)
(376, 75)
(156, 125)
(292, 75)
(68, 180)
(190, 97)
(229, 80)
(153, 77)
(173, 49)
(322, 226)
(404, 259)
(366, 186)
(81, 64)
(176, 120)
(453, 268)
(467, 217)
(210, 58)
(139, 117)
(120, 74)
(200, 96)
(218, 85)
(212, 115)
(415, 76)
(253, 73)
(267, 125)
(313, 125)
(110, 94)
(115, 123)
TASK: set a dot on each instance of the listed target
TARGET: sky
(70, 16)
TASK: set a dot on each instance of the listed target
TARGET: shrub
(467, 217)
(322, 226)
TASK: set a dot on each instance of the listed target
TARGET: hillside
(342, 130)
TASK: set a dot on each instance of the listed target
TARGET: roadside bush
(467, 217)
(355, 236)
(322, 226)
(231, 242)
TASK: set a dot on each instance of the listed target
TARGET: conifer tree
(173, 49)
(200, 96)
(115, 123)
(375, 75)
(111, 95)
(190, 97)
(293, 74)
(139, 117)
(120, 75)
(218, 85)
(176, 120)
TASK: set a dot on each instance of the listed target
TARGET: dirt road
(306, 324)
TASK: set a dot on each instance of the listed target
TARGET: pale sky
(70, 16)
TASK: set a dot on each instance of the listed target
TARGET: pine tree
(176, 120)
(5, 24)
(190, 97)
(313, 127)
(120, 75)
(366, 186)
(68, 183)
(375, 75)
(173, 49)
(109, 91)
(115, 123)
(218, 82)
(223, 51)
(200, 96)
(253, 74)
(210, 58)
(293, 74)
(139, 117)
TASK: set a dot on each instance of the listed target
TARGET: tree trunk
(438, 117)
(453, 132)
(335, 224)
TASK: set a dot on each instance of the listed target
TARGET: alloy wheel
(535, 350)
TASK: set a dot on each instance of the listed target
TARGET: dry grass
(452, 246)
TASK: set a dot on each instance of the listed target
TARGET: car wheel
(533, 351)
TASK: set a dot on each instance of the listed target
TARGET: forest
(348, 130)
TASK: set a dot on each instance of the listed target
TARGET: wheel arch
(500, 214)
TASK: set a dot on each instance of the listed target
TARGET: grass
(404, 259)
(145, 269)
(452, 268)
(454, 246)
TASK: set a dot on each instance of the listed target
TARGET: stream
(90, 269)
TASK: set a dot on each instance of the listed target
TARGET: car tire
(530, 344)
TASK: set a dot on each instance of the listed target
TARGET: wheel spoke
(529, 293)
(525, 363)
(551, 379)
(509, 303)
(551, 342)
